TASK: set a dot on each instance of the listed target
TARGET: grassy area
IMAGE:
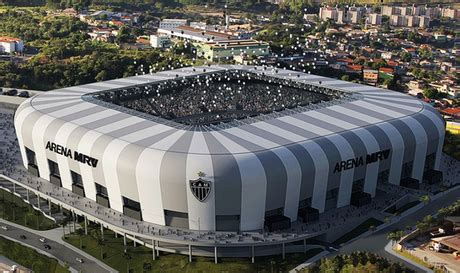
(403, 208)
(29, 258)
(14, 209)
(360, 229)
(139, 259)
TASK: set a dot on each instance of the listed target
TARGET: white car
(4, 227)
(43, 240)
(80, 260)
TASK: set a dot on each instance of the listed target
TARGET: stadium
(226, 149)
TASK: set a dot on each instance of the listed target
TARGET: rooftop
(6, 39)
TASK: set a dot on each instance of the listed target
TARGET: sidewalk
(389, 249)
(56, 235)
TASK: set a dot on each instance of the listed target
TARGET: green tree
(345, 78)
(425, 199)
(430, 93)
(395, 236)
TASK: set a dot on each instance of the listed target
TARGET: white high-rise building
(375, 19)
(326, 13)
(172, 23)
(388, 10)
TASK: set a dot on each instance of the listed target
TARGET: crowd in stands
(215, 98)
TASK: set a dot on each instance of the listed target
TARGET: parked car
(11, 92)
(24, 94)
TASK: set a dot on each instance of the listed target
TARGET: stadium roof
(371, 106)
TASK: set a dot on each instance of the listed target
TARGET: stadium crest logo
(200, 187)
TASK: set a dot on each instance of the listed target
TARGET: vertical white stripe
(397, 152)
(441, 132)
(421, 143)
(346, 176)
(201, 215)
(253, 184)
(372, 170)
(61, 137)
(148, 180)
(85, 146)
(290, 163)
(110, 164)
(19, 122)
(321, 175)
(39, 141)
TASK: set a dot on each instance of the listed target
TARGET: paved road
(57, 250)
(376, 242)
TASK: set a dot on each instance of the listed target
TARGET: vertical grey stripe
(409, 139)
(58, 99)
(384, 142)
(338, 115)
(291, 128)
(227, 178)
(265, 135)
(173, 175)
(333, 156)
(307, 167)
(366, 111)
(431, 131)
(317, 122)
(59, 107)
(107, 120)
(83, 113)
(274, 171)
(128, 160)
(393, 108)
(359, 149)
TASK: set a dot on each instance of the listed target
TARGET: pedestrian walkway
(389, 249)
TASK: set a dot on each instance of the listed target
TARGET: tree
(345, 78)
(430, 93)
(101, 76)
(395, 236)
(425, 199)
(426, 223)
(406, 57)
(124, 35)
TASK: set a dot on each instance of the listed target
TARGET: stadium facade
(230, 175)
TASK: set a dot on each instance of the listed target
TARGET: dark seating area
(308, 214)
(410, 183)
(432, 177)
(277, 222)
(360, 198)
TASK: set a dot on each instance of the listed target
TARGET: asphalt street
(58, 250)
